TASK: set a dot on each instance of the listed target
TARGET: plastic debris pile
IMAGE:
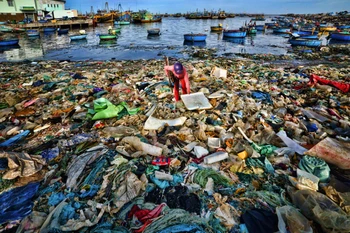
(103, 147)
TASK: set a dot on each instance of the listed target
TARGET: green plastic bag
(105, 109)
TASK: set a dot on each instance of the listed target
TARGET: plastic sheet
(291, 220)
(315, 166)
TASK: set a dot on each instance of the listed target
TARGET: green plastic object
(265, 150)
(105, 109)
(315, 166)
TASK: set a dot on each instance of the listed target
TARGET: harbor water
(134, 43)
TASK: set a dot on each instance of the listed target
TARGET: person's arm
(187, 81)
(168, 68)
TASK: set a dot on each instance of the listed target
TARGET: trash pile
(103, 147)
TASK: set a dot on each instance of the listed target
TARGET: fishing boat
(251, 31)
(305, 42)
(309, 37)
(281, 30)
(195, 43)
(307, 32)
(235, 33)
(153, 32)
(260, 27)
(222, 15)
(33, 33)
(121, 22)
(270, 25)
(342, 27)
(218, 28)
(195, 37)
(107, 37)
(259, 18)
(19, 30)
(340, 36)
(49, 29)
(328, 29)
(8, 42)
(78, 37)
(62, 31)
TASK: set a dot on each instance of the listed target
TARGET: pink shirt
(180, 76)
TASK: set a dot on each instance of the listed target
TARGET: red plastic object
(161, 161)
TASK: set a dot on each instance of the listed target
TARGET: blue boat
(309, 37)
(195, 37)
(153, 32)
(260, 27)
(344, 27)
(281, 30)
(33, 33)
(61, 31)
(305, 42)
(78, 37)
(341, 36)
(307, 32)
(270, 25)
(49, 29)
(8, 42)
(235, 33)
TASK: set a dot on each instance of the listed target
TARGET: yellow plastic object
(243, 155)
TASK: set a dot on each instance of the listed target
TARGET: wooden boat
(235, 33)
(8, 42)
(328, 29)
(153, 32)
(309, 37)
(19, 30)
(107, 37)
(260, 27)
(195, 37)
(305, 42)
(121, 22)
(49, 29)
(281, 30)
(78, 37)
(33, 33)
(340, 36)
(218, 28)
(62, 31)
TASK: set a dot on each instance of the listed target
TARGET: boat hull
(62, 31)
(49, 29)
(260, 27)
(216, 29)
(9, 42)
(340, 36)
(305, 42)
(151, 20)
(78, 37)
(121, 22)
(153, 32)
(195, 37)
(235, 34)
(310, 37)
(307, 32)
(108, 37)
(328, 29)
(33, 33)
(281, 30)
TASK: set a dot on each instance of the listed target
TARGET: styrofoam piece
(196, 101)
(190, 146)
(216, 157)
(219, 72)
(214, 142)
(153, 123)
(218, 94)
(163, 176)
(200, 151)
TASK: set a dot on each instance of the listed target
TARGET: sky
(235, 6)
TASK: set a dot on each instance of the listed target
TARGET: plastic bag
(321, 209)
(291, 218)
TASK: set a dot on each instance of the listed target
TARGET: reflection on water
(195, 43)
(135, 39)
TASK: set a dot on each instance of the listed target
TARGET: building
(46, 7)
(18, 10)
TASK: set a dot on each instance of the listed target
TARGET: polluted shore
(260, 144)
